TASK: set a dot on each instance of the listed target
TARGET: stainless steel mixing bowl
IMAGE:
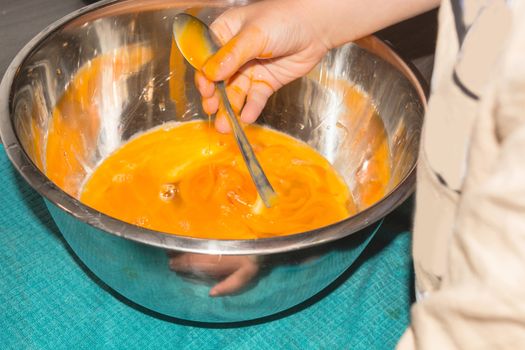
(131, 86)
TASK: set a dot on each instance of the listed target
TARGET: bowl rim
(72, 206)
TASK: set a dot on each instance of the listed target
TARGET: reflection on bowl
(117, 63)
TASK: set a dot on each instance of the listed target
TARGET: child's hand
(266, 45)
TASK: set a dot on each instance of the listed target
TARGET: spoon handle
(263, 186)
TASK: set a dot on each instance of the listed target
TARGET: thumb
(248, 44)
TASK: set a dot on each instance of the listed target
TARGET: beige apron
(469, 229)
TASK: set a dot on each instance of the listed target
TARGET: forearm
(341, 21)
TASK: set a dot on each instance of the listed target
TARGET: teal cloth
(48, 300)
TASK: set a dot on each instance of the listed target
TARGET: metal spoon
(187, 29)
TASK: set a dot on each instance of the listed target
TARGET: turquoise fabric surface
(49, 301)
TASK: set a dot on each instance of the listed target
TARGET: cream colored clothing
(469, 231)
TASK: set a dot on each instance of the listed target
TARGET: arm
(273, 42)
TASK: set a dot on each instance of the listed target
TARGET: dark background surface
(20, 20)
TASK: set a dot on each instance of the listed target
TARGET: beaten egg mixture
(191, 180)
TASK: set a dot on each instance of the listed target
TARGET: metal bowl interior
(138, 83)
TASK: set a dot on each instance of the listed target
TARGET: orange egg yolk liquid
(190, 180)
